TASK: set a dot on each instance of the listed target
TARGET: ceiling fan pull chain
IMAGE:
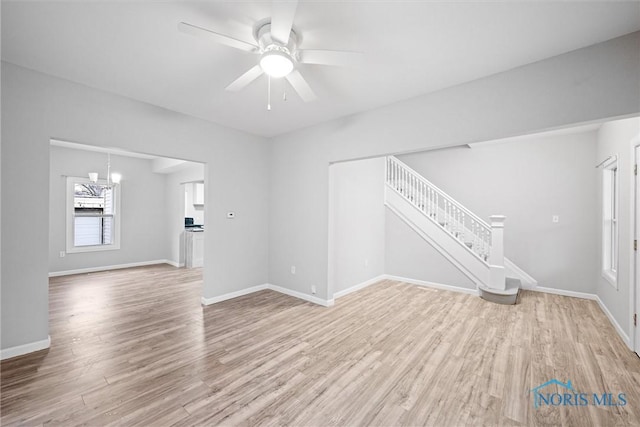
(284, 92)
(269, 93)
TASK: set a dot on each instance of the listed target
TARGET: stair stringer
(464, 260)
(513, 271)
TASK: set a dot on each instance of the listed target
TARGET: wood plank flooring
(135, 347)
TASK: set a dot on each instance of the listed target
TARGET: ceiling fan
(277, 44)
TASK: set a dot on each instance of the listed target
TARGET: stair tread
(513, 286)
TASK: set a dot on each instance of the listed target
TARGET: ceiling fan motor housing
(268, 44)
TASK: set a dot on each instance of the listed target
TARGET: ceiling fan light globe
(276, 64)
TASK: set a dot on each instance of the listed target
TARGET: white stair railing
(483, 240)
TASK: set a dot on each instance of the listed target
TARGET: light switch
(555, 218)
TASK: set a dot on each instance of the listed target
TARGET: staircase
(474, 246)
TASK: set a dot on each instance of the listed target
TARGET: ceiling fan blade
(301, 86)
(282, 14)
(244, 80)
(194, 30)
(329, 57)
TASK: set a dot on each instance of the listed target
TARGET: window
(610, 221)
(93, 220)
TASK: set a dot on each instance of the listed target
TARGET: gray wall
(367, 240)
(357, 206)
(597, 82)
(37, 107)
(529, 181)
(408, 255)
(614, 138)
(143, 229)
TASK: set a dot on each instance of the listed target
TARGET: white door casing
(635, 277)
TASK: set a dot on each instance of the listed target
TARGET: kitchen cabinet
(198, 193)
(194, 246)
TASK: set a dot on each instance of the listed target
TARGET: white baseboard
(526, 281)
(174, 263)
(565, 293)
(242, 292)
(432, 285)
(452, 288)
(112, 267)
(300, 295)
(359, 286)
(19, 350)
(236, 294)
(614, 322)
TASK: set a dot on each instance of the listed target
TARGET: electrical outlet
(293, 269)
(62, 254)
(555, 218)
(313, 289)
(366, 263)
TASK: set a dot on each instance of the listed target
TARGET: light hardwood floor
(134, 347)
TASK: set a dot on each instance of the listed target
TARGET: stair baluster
(463, 234)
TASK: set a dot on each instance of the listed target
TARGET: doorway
(194, 226)
(98, 223)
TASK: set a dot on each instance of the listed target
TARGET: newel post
(497, 277)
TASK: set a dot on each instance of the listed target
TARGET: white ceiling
(134, 49)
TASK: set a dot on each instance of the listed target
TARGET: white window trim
(71, 248)
(610, 272)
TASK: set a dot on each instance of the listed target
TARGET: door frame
(634, 276)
